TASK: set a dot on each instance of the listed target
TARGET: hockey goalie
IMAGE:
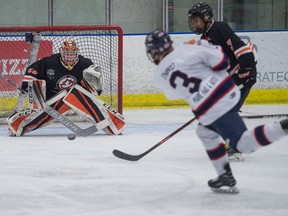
(64, 81)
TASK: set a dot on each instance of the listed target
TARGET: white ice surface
(45, 174)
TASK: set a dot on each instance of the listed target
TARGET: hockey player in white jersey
(197, 73)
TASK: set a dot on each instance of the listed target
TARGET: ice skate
(224, 183)
(234, 155)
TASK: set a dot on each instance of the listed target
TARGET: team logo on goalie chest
(66, 82)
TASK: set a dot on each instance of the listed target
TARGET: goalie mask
(158, 43)
(69, 54)
(198, 16)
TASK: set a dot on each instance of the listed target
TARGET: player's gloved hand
(247, 75)
(93, 76)
(236, 79)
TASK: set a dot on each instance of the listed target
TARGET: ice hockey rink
(45, 174)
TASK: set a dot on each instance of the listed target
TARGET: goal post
(102, 44)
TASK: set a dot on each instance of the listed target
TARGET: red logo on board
(14, 56)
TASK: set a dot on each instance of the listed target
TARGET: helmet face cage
(157, 42)
(201, 10)
(69, 52)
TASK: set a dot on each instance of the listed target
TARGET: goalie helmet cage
(102, 44)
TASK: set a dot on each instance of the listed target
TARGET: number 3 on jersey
(186, 81)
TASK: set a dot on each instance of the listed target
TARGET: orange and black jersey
(56, 75)
(237, 51)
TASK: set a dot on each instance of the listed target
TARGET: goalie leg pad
(117, 121)
(28, 120)
(88, 106)
(44, 119)
(18, 120)
(81, 101)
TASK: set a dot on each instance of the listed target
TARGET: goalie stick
(63, 119)
(72, 126)
(130, 157)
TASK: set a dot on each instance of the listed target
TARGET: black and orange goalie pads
(28, 120)
(93, 109)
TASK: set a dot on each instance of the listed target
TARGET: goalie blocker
(81, 101)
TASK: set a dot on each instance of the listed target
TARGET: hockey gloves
(247, 76)
(94, 77)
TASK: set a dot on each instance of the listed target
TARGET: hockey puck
(71, 136)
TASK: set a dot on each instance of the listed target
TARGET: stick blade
(125, 156)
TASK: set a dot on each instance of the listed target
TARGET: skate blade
(235, 158)
(226, 190)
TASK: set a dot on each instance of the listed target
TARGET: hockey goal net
(102, 44)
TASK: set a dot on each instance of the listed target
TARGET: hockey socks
(260, 136)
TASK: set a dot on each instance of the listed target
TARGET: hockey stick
(72, 126)
(252, 115)
(65, 120)
(256, 116)
(125, 156)
(130, 157)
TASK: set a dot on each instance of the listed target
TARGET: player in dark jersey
(60, 71)
(64, 81)
(242, 56)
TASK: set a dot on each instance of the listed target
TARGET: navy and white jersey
(56, 75)
(198, 74)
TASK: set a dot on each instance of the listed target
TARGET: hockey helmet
(202, 10)
(157, 42)
(69, 54)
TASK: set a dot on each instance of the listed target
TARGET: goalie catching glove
(93, 76)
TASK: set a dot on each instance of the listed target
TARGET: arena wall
(272, 79)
